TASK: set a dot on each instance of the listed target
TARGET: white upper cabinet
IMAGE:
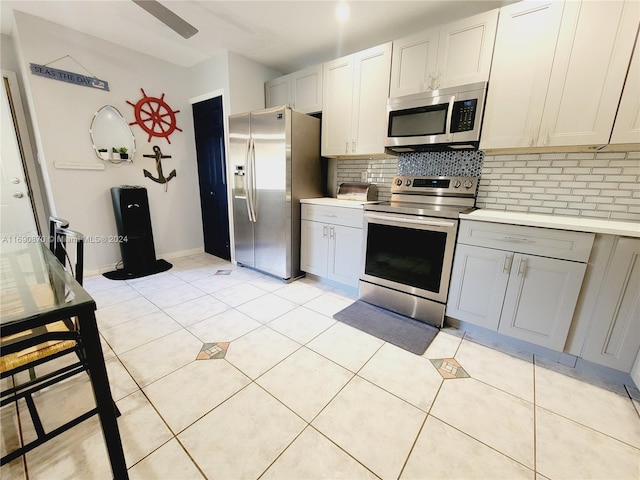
(626, 128)
(465, 49)
(337, 95)
(301, 90)
(557, 74)
(306, 89)
(355, 91)
(413, 64)
(591, 62)
(278, 92)
(522, 60)
(453, 54)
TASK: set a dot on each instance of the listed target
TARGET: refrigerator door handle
(251, 181)
(245, 180)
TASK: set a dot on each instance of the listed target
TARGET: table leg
(102, 393)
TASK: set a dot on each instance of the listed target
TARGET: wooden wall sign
(69, 77)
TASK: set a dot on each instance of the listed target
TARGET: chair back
(60, 244)
(53, 223)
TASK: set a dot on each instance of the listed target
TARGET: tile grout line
(424, 422)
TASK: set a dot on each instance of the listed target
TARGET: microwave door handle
(449, 119)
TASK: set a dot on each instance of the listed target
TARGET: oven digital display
(431, 182)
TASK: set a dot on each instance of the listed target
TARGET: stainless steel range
(410, 243)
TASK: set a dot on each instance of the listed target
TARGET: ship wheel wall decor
(154, 116)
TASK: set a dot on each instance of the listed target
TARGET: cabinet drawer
(545, 242)
(348, 217)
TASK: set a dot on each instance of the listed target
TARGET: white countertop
(335, 202)
(560, 222)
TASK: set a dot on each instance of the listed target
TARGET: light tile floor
(301, 396)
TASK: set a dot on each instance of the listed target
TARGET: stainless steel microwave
(439, 119)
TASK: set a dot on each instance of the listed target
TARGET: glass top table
(33, 283)
(36, 290)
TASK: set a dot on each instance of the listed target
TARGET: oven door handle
(417, 221)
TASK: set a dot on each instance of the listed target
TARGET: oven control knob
(399, 182)
(456, 184)
(408, 182)
(467, 184)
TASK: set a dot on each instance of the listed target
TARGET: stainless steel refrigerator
(275, 161)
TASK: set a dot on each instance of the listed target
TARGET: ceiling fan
(167, 17)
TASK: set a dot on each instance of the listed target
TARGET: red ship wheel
(154, 116)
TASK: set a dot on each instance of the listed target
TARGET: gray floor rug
(404, 332)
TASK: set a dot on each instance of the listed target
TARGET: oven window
(418, 122)
(404, 255)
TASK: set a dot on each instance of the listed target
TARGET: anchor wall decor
(161, 178)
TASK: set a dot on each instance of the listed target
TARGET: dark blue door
(208, 120)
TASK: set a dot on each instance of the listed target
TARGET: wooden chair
(29, 349)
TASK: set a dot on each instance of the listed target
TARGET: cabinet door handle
(522, 268)
(518, 240)
(346, 147)
(508, 261)
(332, 233)
(353, 146)
(324, 231)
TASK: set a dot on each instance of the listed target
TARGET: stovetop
(408, 208)
(445, 197)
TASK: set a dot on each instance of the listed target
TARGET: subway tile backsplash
(602, 185)
(377, 171)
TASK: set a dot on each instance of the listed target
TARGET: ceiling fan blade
(167, 17)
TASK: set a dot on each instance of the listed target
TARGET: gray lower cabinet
(521, 281)
(540, 299)
(331, 242)
(478, 284)
(614, 332)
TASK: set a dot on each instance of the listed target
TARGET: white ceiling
(284, 35)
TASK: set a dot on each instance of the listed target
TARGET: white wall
(209, 76)
(62, 114)
(246, 83)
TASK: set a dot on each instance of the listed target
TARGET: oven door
(409, 253)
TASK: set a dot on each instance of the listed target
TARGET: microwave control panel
(464, 115)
